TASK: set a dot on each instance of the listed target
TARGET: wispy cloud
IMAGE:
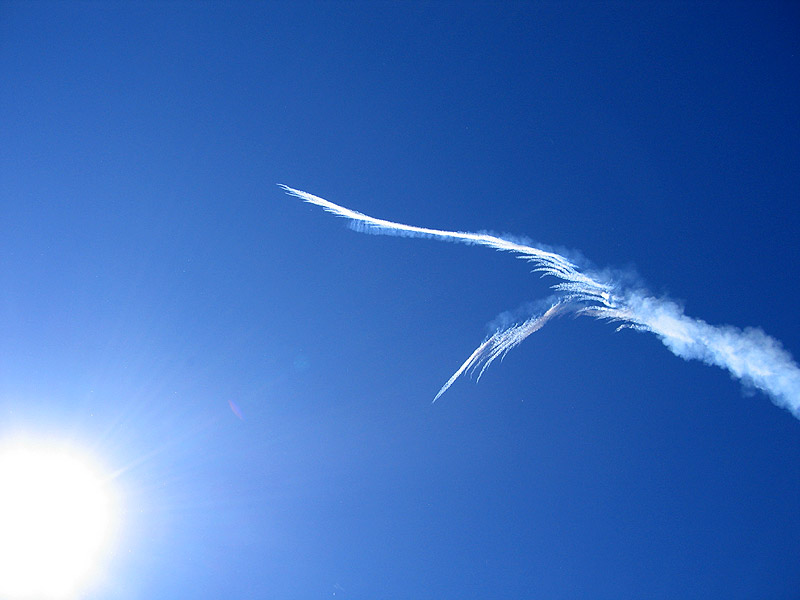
(750, 355)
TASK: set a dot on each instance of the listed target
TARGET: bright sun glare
(55, 517)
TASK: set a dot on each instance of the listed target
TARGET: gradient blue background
(151, 272)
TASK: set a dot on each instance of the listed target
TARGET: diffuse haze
(750, 355)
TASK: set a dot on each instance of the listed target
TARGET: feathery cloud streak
(750, 355)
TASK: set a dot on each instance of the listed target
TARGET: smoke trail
(750, 355)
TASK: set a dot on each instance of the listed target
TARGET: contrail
(750, 355)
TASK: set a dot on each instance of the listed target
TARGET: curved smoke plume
(750, 355)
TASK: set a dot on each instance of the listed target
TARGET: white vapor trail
(750, 355)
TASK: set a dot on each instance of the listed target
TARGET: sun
(55, 520)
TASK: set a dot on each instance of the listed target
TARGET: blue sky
(151, 273)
